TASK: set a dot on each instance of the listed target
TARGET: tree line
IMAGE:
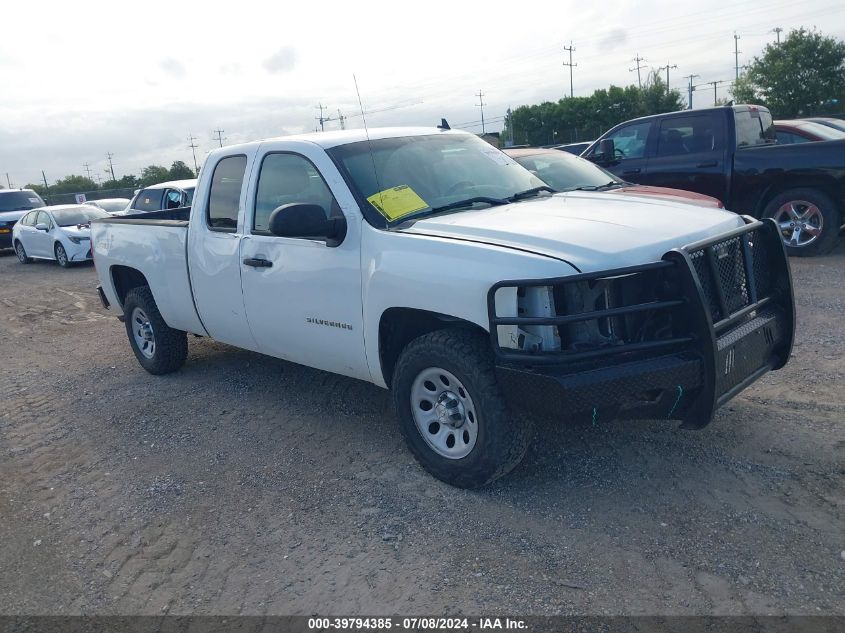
(150, 175)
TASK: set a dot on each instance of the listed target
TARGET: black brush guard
(730, 304)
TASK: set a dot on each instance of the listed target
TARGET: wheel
(159, 348)
(61, 255)
(809, 221)
(451, 411)
(20, 251)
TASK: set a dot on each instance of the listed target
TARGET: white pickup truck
(428, 262)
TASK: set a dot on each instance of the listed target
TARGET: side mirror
(605, 153)
(41, 227)
(307, 221)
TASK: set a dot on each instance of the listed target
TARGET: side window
(172, 199)
(689, 135)
(630, 141)
(788, 138)
(29, 219)
(285, 179)
(225, 195)
(148, 200)
(43, 218)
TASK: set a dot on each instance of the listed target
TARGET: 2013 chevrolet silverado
(428, 262)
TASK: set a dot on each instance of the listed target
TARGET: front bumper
(738, 314)
(78, 252)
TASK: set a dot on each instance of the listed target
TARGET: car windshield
(189, 196)
(824, 132)
(72, 217)
(19, 200)
(566, 172)
(411, 176)
(110, 205)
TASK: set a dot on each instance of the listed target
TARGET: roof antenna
(444, 125)
(369, 142)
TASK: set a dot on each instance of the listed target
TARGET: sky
(81, 80)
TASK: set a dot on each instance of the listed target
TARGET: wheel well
(125, 279)
(400, 326)
(826, 187)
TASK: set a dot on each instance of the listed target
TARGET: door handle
(629, 172)
(258, 262)
(710, 163)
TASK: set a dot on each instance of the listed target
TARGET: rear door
(690, 153)
(304, 302)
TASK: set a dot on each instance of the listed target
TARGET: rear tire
(61, 255)
(451, 410)
(809, 221)
(159, 348)
(20, 251)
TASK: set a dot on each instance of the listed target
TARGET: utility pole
(87, 171)
(481, 105)
(777, 30)
(46, 186)
(569, 49)
(342, 119)
(691, 89)
(736, 55)
(9, 182)
(666, 68)
(320, 118)
(193, 146)
(111, 165)
(715, 84)
(637, 61)
(220, 138)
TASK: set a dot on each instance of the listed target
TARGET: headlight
(78, 240)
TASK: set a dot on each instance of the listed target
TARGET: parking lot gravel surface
(247, 485)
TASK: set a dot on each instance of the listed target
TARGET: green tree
(802, 76)
(126, 182)
(153, 174)
(73, 184)
(180, 171)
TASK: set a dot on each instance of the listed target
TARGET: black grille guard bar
(704, 334)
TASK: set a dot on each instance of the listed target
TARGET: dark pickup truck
(731, 153)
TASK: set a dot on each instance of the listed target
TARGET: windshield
(19, 200)
(566, 172)
(189, 196)
(418, 175)
(110, 205)
(824, 132)
(72, 217)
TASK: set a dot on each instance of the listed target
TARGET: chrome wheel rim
(444, 413)
(20, 252)
(61, 255)
(801, 223)
(142, 332)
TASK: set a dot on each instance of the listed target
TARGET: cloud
(612, 39)
(281, 61)
(173, 67)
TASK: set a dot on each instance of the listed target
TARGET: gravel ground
(247, 485)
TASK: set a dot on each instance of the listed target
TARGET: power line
(777, 30)
(322, 119)
(736, 55)
(87, 170)
(109, 156)
(569, 49)
(666, 68)
(714, 84)
(193, 146)
(637, 61)
(481, 105)
(691, 89)
(219, 138)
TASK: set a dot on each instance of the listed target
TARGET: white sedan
(61, 232)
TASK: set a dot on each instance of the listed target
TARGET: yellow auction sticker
(397, 202)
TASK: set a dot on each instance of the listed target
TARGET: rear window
(19, 200)
(148, 200)
(754, 127)
(225, 195)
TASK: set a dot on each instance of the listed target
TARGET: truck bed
(155, 245)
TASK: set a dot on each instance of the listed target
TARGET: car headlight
(78, 240)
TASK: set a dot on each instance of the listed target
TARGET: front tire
(809, 221)
(20, 251)
(61, 255)
(451, 411)
(159, 348)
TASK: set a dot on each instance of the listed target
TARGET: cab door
(631, 143)
(302, 297)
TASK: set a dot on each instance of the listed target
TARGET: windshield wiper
(528, 193)
(608, 185)
(469, 201)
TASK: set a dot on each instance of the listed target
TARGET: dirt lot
(244, 484)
